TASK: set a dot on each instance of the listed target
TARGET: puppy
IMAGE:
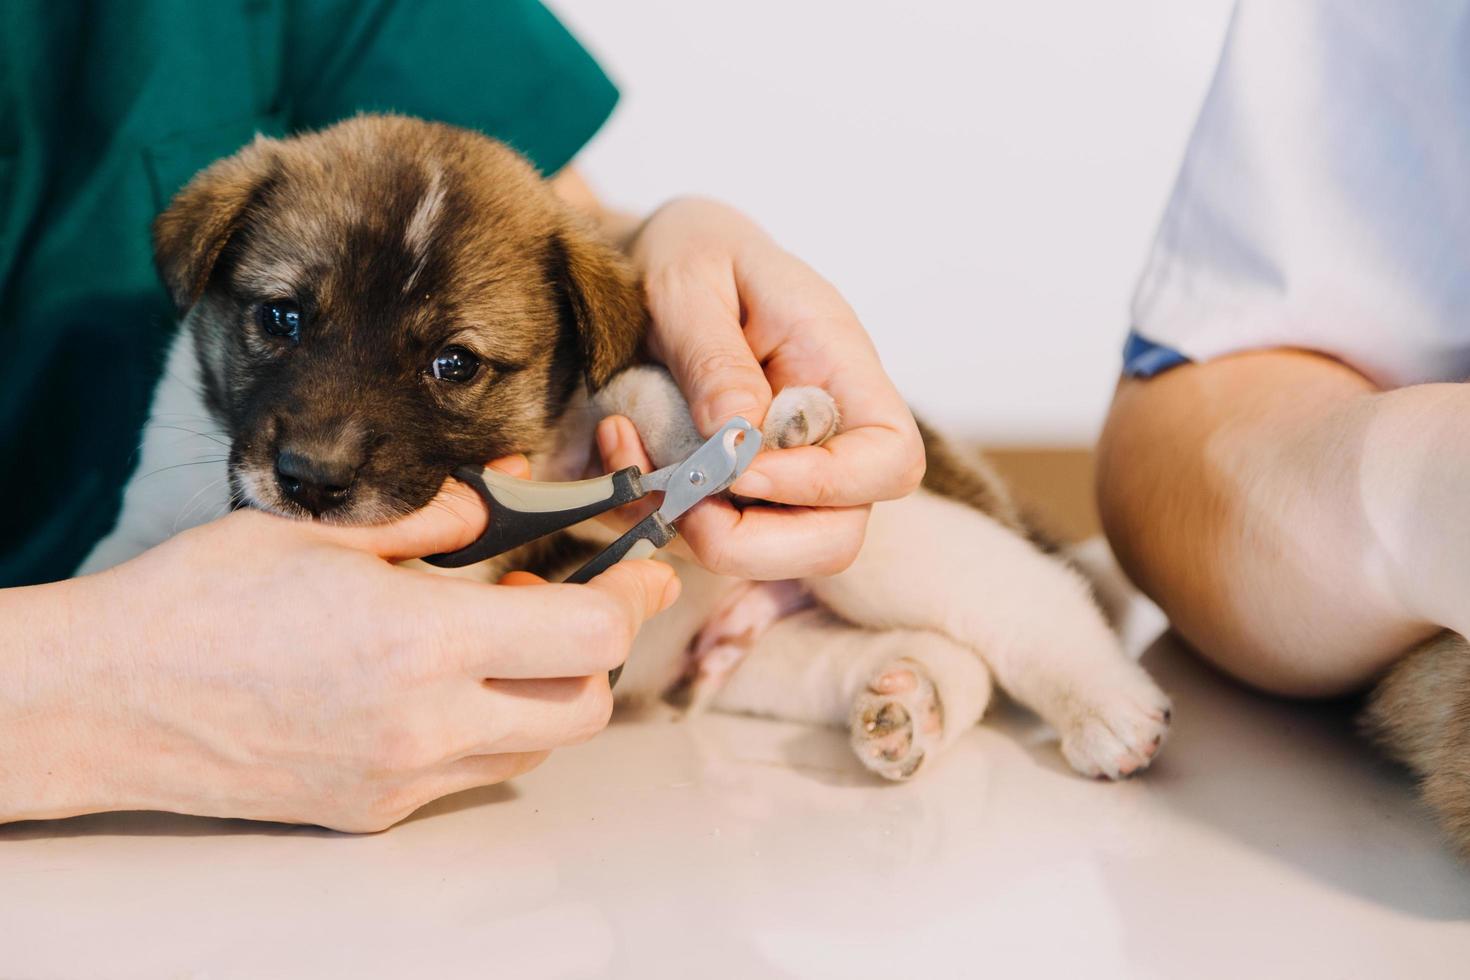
(368, 307)
(1419, 713)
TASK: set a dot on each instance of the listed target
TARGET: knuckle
(610, 632)
(409, 660)
(835, 561)
(917, 462)
(403, 747)
(825, 490)
(594, 711)
(716, 555)
(359, 822)
(845, 545)
(388, 807)
(604, 615)
(720, 362)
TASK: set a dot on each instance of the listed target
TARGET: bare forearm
(45, 767)
(1241, 495)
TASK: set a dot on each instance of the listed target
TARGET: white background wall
(981, 179)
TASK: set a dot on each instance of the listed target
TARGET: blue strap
(1142, 358)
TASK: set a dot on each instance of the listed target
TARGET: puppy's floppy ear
(189, 236)
(603, 299)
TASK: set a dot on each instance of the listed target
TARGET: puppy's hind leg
(933, 563)
(904, 695)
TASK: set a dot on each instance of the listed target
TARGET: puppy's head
(381, 302)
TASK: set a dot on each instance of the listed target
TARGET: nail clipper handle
(642, 540)
(523, 510)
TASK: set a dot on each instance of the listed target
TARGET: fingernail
(672, 588)
(754, 485)
(727, 404)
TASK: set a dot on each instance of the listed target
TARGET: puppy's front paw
(800, 416)
(897, 721)
(1116, 736)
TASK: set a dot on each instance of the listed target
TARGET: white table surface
(1267, 841)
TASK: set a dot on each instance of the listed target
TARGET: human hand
(735, 317)
(259, 667)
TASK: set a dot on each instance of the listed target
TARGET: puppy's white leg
(933, 563)
(903, 694)
(651, 400)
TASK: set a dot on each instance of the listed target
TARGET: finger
(517, 466)
(532, 715)
(454, 518)
(550, 631)
(521, 578)
(696, 333)
(640, 590)
(857, 466)
(804, 333)
(620, 446)
(774, 542)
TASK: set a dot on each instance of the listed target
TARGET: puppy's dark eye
(281, 318)
(455, 363)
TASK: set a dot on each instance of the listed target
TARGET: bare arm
(259, 667)
(1301, 528)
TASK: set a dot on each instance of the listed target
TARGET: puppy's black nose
(316, 483)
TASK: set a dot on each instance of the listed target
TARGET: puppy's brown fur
(1420, 714)
(397, 238)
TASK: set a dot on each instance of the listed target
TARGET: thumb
(454, 518)
(698, 338)
(521, 578)
(641, 588)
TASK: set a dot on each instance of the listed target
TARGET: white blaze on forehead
(420, 227)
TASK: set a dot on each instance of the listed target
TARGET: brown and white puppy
(369, 307)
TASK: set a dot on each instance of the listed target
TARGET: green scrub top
(107, 109)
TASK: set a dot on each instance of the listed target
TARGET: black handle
(641, 540)
(523, 510)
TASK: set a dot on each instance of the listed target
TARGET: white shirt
(1324, 199)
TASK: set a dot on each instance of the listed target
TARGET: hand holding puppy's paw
(804, 415)
(896, 720)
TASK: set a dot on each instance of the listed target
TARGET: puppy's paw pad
(1118, 738)
(800, 416)
(897, 721)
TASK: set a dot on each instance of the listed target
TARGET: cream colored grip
(536, 497)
